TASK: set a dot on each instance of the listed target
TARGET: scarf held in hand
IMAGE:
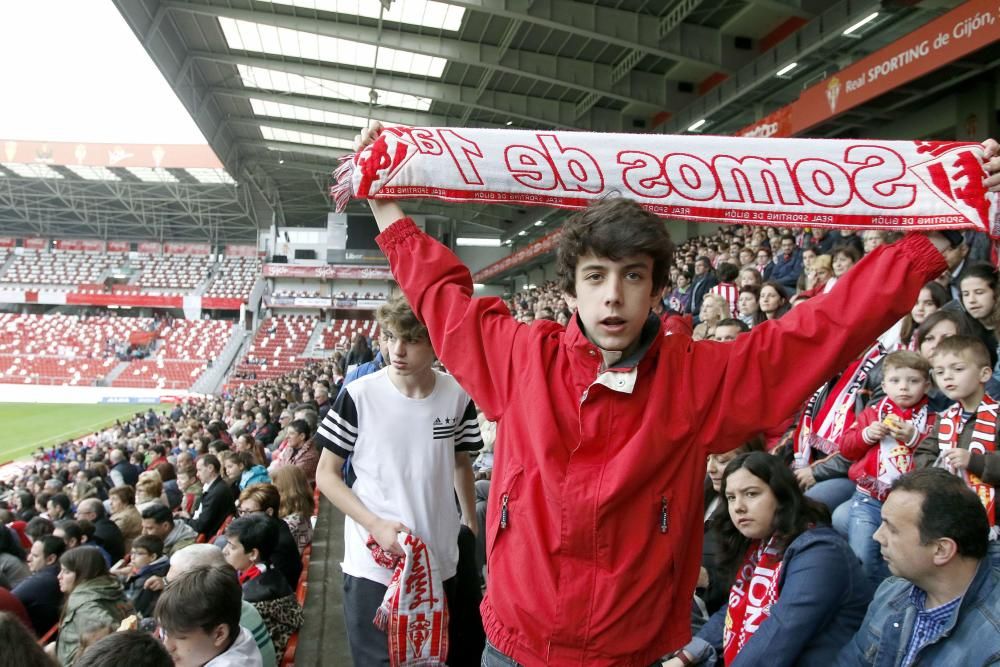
(848, 184)
(413, 611)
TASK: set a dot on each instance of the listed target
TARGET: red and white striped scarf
(838, 183)
(751, 597)
(822, 426)
(984, 435)
(414, 612)
(895, 457)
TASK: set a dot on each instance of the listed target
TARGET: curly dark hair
(795, 513)
(614, 228)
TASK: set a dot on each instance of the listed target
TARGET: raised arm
(762, 377)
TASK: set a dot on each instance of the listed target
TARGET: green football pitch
(24, 427)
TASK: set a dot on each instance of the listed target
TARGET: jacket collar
(622, 375)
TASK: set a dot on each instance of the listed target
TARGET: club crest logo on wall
(833, 93)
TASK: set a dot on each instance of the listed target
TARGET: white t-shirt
(403, 452)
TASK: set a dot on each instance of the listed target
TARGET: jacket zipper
(664, 515)
(503, 511)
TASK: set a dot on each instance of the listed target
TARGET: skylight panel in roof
(250, 36)
(296, 112)
(210, 175)
(32, 170)
(150, 175)
(269, 79)
(89, 173)
(425, 13)
(291, 136)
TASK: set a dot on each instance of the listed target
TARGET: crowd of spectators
(95, 527)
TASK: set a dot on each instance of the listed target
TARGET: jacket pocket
(507, 508)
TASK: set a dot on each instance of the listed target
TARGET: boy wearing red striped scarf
(882, 442)
(964, 441)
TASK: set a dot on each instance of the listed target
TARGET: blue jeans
(831, 492)
(840, 518)
(863, 520)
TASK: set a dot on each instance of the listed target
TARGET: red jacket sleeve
(458, 324)
(759, 379)
(853, 445)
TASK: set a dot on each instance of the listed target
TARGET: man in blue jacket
(942, 607)
(40, 592)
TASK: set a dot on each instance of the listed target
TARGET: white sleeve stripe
(467, 429)
(344, 434)
(337, 438)
(468, 438)
(333, 418)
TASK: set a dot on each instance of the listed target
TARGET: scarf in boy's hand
(414, 612)
(983, 441)
(846, 184)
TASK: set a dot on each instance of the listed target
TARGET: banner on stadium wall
(297, 302)
(241, 251)
(149, 247)
(80, 245)
(327, 272)
(35, 244)
(970, 26)
(118, 246)
(530, 251)
(7, 242)
(165, 156)
(186, 248)
(221, 303)
(12, 296)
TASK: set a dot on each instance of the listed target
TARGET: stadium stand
(338, 334)
(59, 267)
(234, 278)
(176, 273)
(276, 348)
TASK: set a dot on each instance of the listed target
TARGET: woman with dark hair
(932, 298)
(798, 592)
(979, 287)
(713, 584)
(748, 303)
(24, 504)
(13, 568)
(773, 300)
(935, 328)
(94, 600)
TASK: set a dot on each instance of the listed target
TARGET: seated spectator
(728, 329)
(94, 599)
(59, 507)
(773, 300)
(199, 616)
(773, 543)
(158, 521)
(125, 514)
(232, 471)
(187, 482)
(217, 501)
(38, 528)
(20, 649)
(882, 442)
(13, 568)
(39, 593)
(133, 648)
(250, 473)
(263, 499)
(250, 542)
(942, 605)
(148, 560)
(749, 306)
(714, 309)
(299, 450)
(206, 555)
(713, 583)
(149, 490)
(106, 532)
(24, 506)
(296, 503)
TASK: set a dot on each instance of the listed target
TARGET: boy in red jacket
(604, 426)
(882, 441)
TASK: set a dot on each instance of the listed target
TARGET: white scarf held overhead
(848, 184)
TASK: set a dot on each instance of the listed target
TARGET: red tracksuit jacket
(594, 524)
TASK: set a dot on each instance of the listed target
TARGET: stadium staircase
(6, 265)
(113, 375)
(314, 348)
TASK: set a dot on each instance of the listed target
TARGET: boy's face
(905, 386)
(194, 648)
(614, 298)
(958, 377)
(409, 357)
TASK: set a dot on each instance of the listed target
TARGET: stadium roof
(280, 87)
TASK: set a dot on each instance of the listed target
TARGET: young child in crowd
(882, 442)
(187, 482)
(964, 440)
